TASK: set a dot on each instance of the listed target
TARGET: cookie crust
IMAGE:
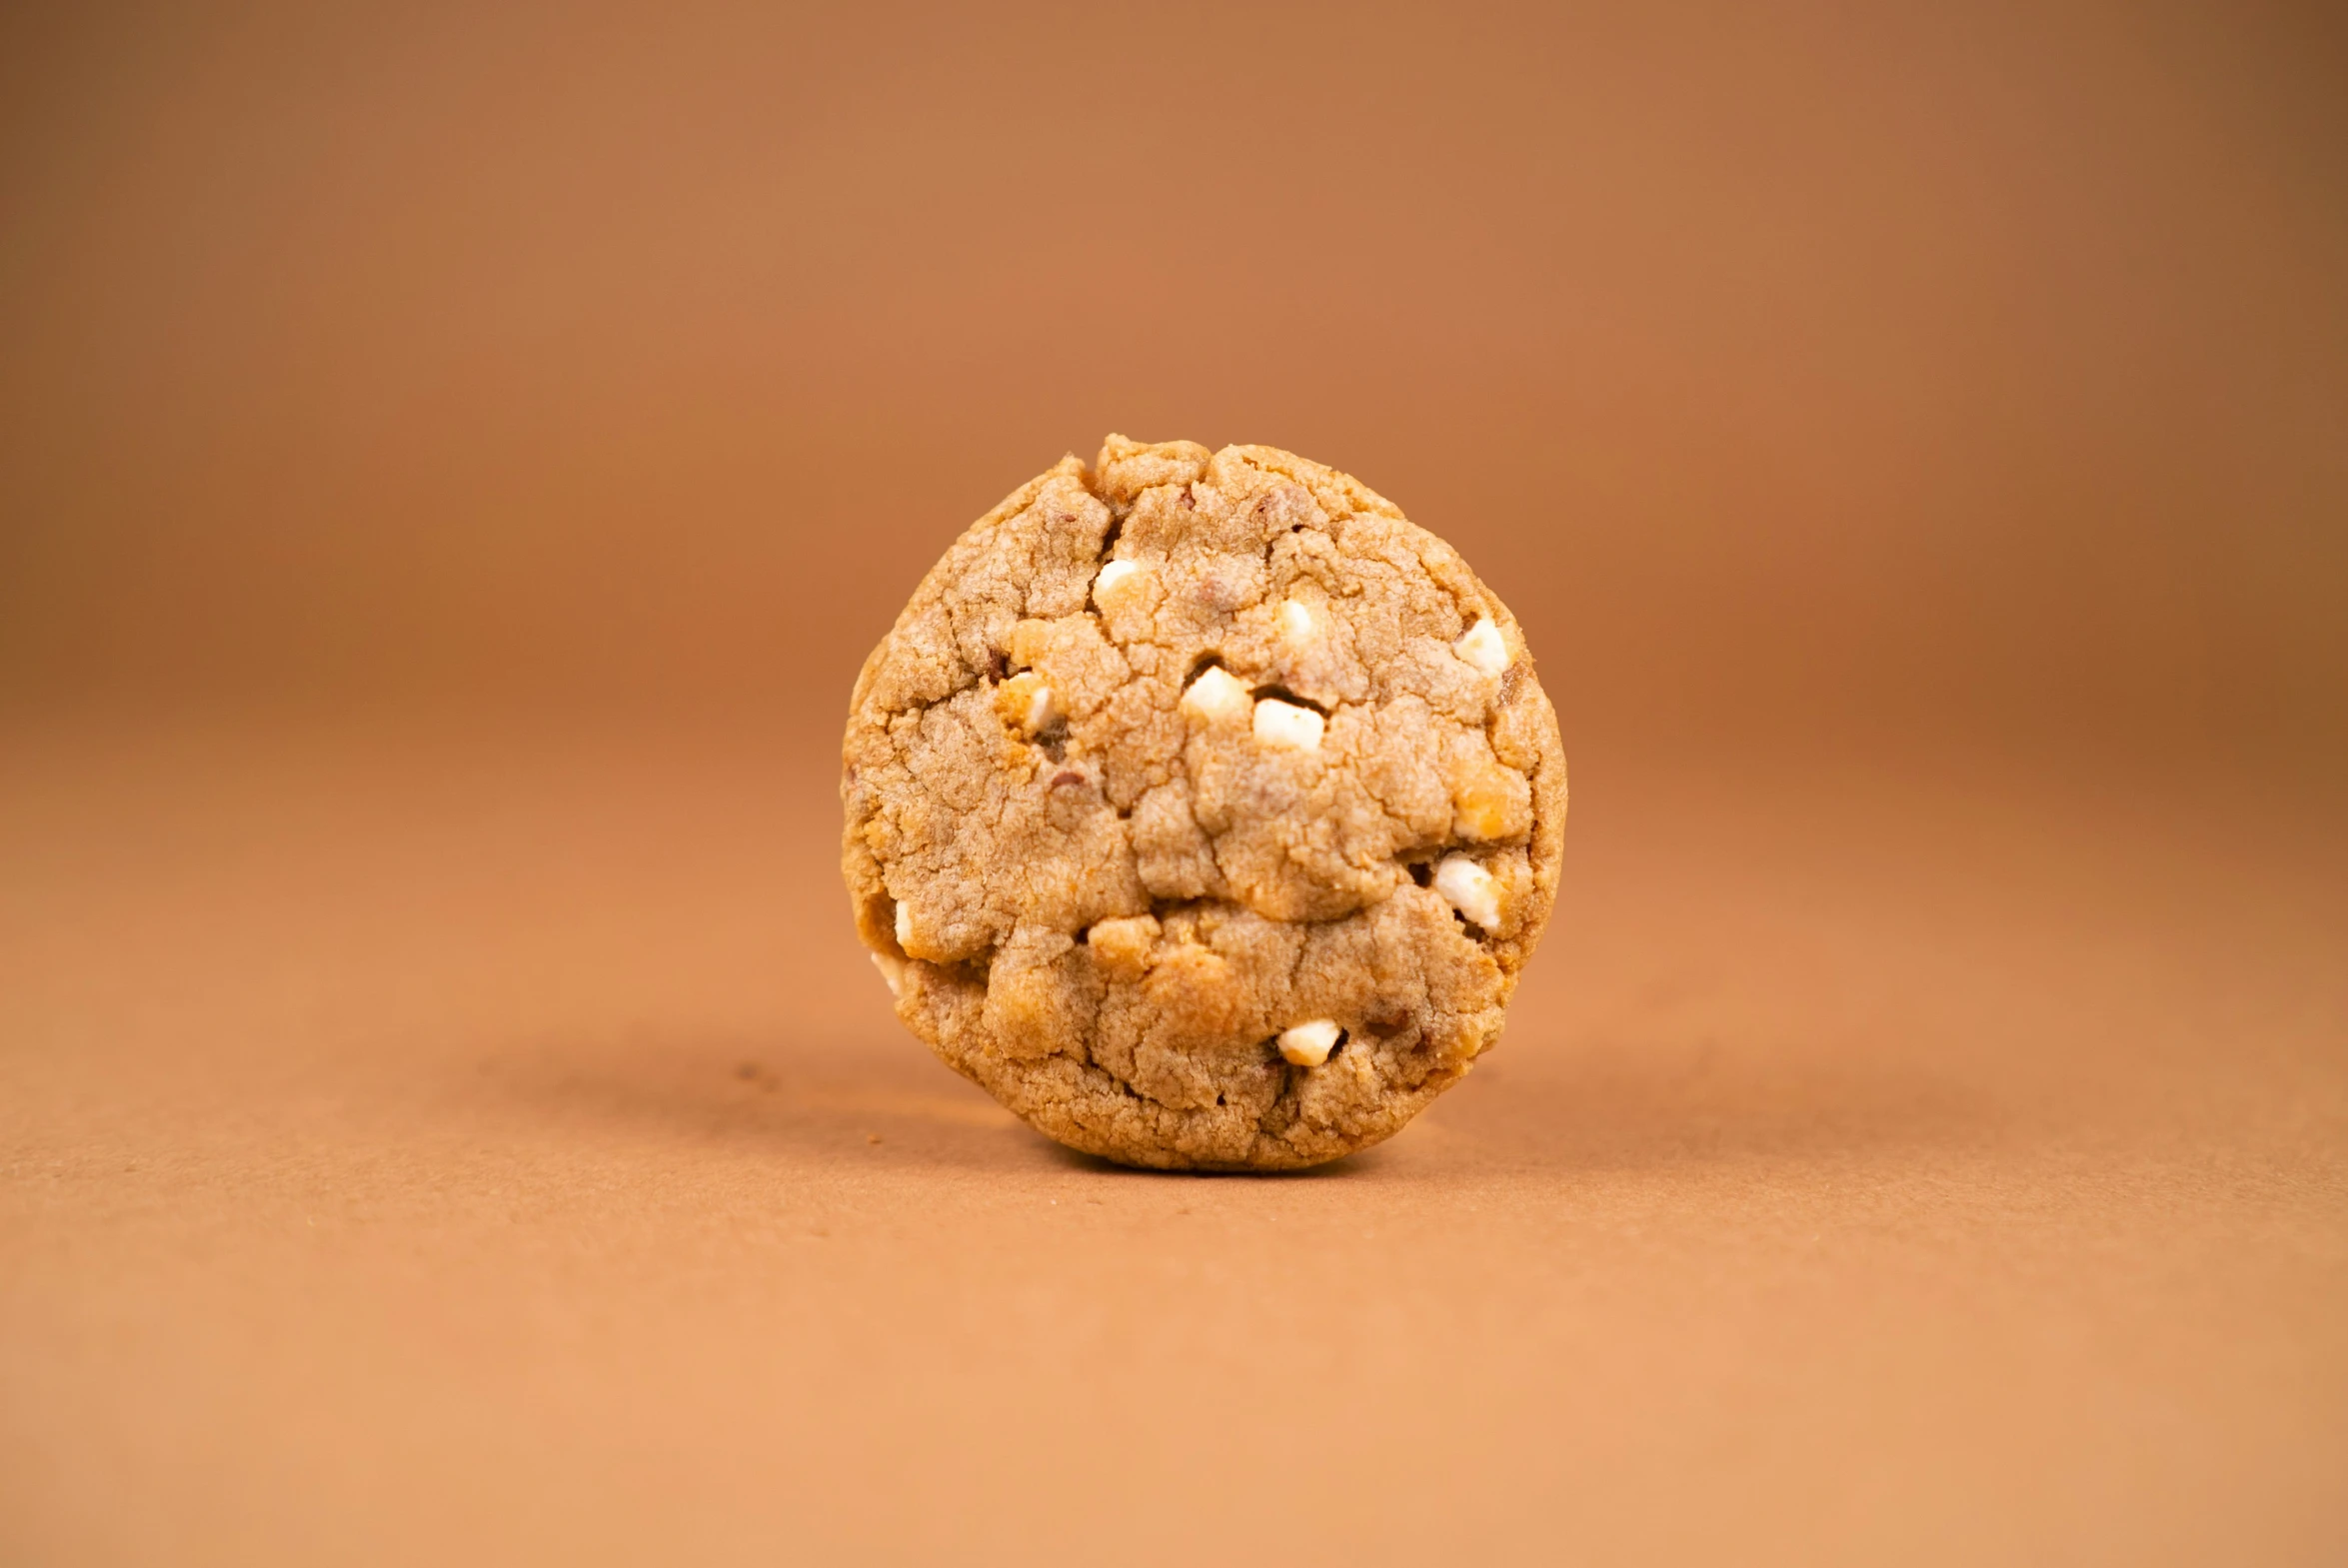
(1180, 769)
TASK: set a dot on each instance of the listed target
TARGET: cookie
(1202, 809)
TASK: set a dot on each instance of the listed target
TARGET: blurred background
(1806, 370)
(453, 459)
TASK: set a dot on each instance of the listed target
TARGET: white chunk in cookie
(1296, 623)
(1482, 645)
(1217, 696)
(1470, 889)
(1114, 581)
(1308, 1044)
(1285, 724)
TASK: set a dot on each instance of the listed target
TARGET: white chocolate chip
(1482, 647)
(1470, 889)
(1105, 586)
(891, 970)
(1216, 695)
(1296, 623)
(1040, 709)
(1308, 1044)
(1285, 724)
(904, 926)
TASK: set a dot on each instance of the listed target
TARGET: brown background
(453, 460)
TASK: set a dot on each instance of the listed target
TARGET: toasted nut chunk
(1216, 695)
(1308, 1044)
(1112, 582)
(1470, 889)
(1285, 724)
(1026, 703)
(1487, 801)
(1121, 946)
(1482, 647)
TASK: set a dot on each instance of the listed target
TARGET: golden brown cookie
(1202, 808)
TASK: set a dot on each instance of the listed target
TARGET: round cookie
(1202, 809)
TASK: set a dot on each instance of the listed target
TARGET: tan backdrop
(1981, 370)
(453, 460)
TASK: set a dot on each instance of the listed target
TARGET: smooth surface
(492, 1147)
(1783, 369)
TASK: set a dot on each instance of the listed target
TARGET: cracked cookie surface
(1202, 809)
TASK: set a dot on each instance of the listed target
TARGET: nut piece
(1308, 1044)
(1026, 703)
(1484, 804)
(1285, 724)
(1470, 889)
(1482, 647)
(1121, 946)
(1216, 695)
